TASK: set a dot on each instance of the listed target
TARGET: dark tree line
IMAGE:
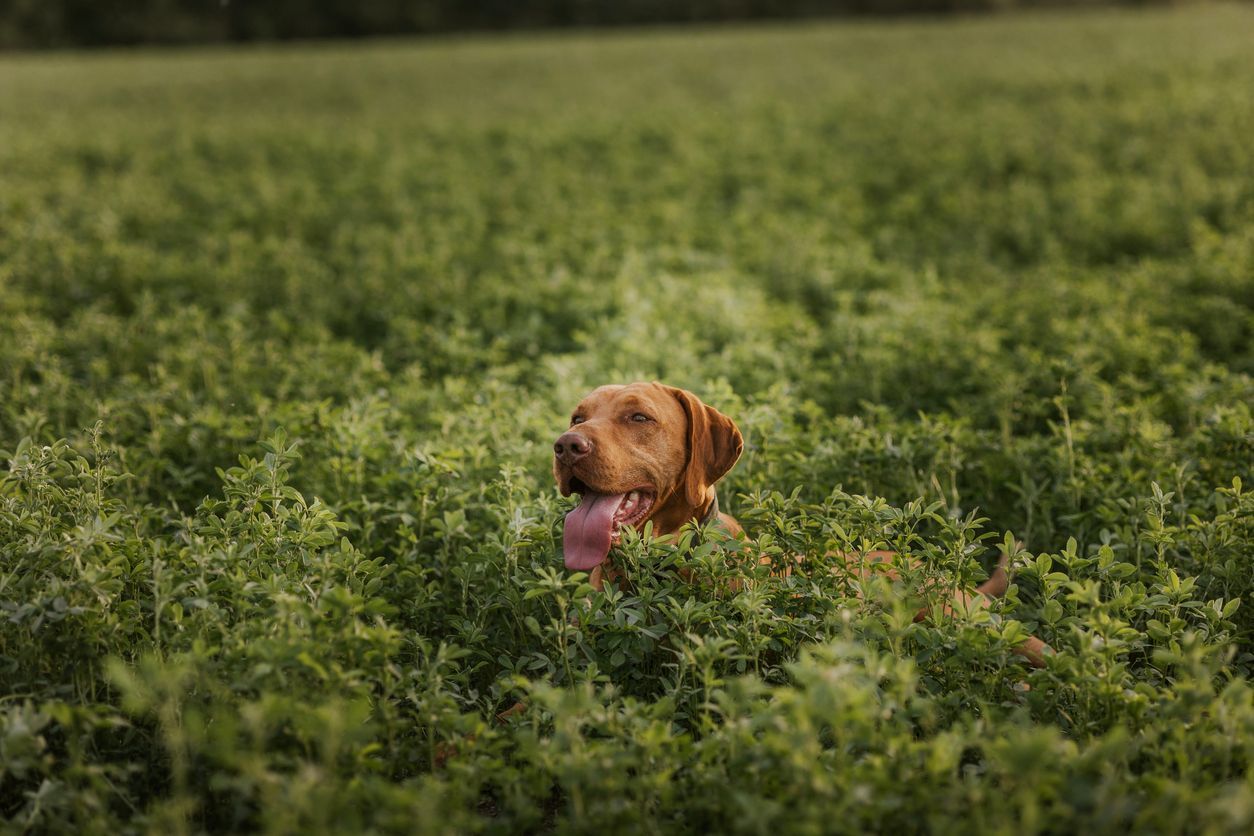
(42, 23)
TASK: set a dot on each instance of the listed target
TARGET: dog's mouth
(595, 524)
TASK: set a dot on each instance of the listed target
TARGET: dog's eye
(576, 419)
(640, 417)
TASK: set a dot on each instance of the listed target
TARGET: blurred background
(50, 23)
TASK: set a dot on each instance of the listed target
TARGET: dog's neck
(711, 512)
(675, 512)
(706, 515)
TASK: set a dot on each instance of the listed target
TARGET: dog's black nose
(571, 447)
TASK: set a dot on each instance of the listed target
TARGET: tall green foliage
(287, 336)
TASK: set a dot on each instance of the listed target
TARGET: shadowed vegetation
(287, 334)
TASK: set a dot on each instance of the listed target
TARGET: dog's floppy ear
(714, 445)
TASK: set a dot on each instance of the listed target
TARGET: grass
(288, 333)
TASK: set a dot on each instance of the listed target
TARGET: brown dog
(648, 452)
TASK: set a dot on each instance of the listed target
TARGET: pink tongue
(589, 529)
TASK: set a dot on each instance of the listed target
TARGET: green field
(287, 334)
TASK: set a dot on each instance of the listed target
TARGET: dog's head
(636, 453)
